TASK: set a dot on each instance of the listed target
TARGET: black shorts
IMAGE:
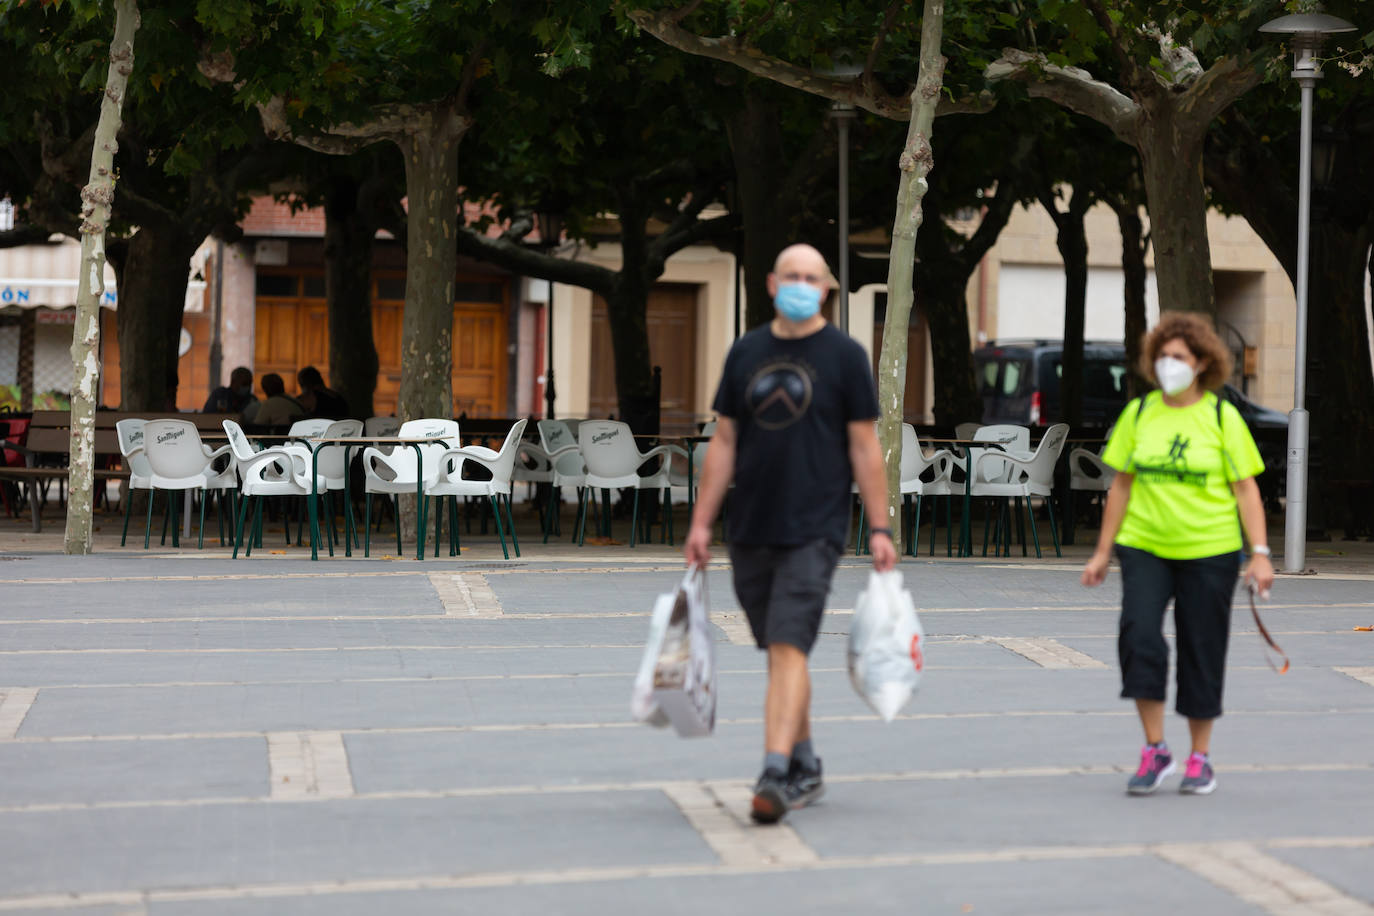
(1202, 590)
(783, 590)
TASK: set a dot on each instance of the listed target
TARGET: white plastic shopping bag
(886, 645)
(679, 664)
(643, 706)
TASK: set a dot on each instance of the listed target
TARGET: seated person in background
(234, 397)
(173, 382)
(318, 400)
(278, 409)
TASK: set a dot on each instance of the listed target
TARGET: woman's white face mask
(1174, 375)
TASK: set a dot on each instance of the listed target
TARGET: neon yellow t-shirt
(1182, 506)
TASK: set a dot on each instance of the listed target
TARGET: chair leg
(634, 519)
(128, 505)
(496, 512)
(238, 529)
(367, 525)
(1021, 522)
(510, 517)
(916, 529)
(1030, 510)
(148, 528)
(550, 511)
(200, 543)
(1054, 530)
(396, 507)
(174, 513)
(580, 529)
(859, 536)
(166, 515)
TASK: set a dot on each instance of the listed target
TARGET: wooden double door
(672, 325)
(292, 331)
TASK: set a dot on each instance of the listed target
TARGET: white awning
(45, 276)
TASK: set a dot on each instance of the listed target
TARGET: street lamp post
(843, 114)
(550, 232)
(1307, 32)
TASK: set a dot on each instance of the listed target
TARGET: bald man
(796, 406)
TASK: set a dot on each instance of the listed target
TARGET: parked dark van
(1019, 382)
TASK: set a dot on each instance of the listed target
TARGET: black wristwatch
(886, 531)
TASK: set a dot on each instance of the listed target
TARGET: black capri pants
(1202, 591)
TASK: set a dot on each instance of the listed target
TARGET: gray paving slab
(444, 761)
(551, 694)
(1141, 886)
(123, 849)
(273, 634)
(106, 771)
(227, 598)
(373, 704)
(856, 819)
(1346, 869)
(75, 668)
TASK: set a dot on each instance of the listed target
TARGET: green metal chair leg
(510, 517)
(1030, 510)
(1054, 529)
(200, 543)
(367, 525)
(128, 506)
(396, 507)
(238, 529)
(496, 513)
(634, 519)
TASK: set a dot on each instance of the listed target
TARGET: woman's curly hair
(1201, 339)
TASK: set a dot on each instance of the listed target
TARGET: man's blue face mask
(797, 301)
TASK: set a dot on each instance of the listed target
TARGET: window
(276, 285)
(1011, 379)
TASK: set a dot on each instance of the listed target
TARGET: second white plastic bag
(886, 645)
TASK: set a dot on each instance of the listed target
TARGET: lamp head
(1307, 32)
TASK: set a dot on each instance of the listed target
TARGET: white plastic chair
(1026, 477)
(403, 471)
(613, 460)
(281, 470)
(308, 428)
(924, 476)
(179, 461)
(567, 469)
(329, 465)
(501, 466)
(130, 433)
(1087, 471)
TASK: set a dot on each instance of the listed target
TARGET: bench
(47, 442)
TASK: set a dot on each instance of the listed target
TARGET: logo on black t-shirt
(779, 394)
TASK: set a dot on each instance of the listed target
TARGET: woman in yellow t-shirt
(1186, 466)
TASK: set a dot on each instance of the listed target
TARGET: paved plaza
(180, 733)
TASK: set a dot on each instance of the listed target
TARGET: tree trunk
(431, 157)
(627, 314)
(916, 161)
(1134, 245)
(1172, 169)
(152, 297)
(1072, 240)
(348, 233)
(1340, 382)
(756, 146)
(97, 197)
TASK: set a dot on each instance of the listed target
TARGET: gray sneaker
(803, 786)
(1198, 778)
(1155, 764)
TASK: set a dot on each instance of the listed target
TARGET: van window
(987, 377)
(1011, 379)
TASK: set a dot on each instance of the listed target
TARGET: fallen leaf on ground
(604, 542)
(279, 553)
(1365, 629)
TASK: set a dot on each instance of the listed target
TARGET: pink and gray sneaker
(1155, 763)
(1198, 778)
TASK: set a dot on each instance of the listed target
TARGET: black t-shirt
(791, 400)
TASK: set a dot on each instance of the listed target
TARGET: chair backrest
(402, 460)
(966, 430)
(555, 434)
(1047, 453)
(238, 442)
(1013, 438)
(699, 450)
(304, 429)
(173, 449)
(608, 448)
(381, 426)
(504, 465)
(131, 446)
(330, 458)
